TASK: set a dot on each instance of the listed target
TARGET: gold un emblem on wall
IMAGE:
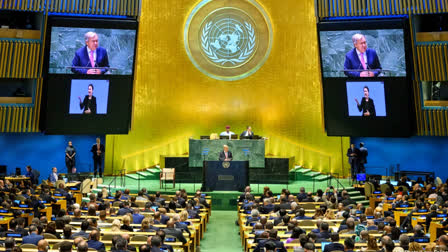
(228, 40)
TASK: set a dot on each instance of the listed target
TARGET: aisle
(222, 233)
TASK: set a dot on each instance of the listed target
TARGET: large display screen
(89, 78)
(84, 50)
(89, 97)
(383, 51)
(366, 98)
(366, 84)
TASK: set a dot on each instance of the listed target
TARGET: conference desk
(436, 229)
(17, 179)
(242, 150)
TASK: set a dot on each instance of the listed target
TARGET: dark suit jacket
(354, 158)
(267, 209)
(324, 235)
(82, 59)
(250, 136)
(80, 233)
(352, 62)
(334, 246)
(164, 219)
(203, 201)
(363, 153)
(96, 245)
(364, 106)
(222, 155)
(86, 104)
(262, 243)
(175, 233)
(183, 227)
(168, 247)
(285, 206)
(95, 148)
(32, 239)
(301, 196)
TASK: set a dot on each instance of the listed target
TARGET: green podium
(242, 150)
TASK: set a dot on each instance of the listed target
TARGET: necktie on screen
(226, 154)
(92, 61)
(363, 62)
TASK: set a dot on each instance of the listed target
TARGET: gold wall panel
(174, 101)
(22, 117)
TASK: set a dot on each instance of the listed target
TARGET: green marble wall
(256, 147)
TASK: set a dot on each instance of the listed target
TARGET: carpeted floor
(222, 233)
(154, 185)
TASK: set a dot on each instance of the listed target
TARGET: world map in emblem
(228, 40)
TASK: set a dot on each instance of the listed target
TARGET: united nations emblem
(225, 165)
(228, 40)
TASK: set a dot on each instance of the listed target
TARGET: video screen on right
(365, 66)
(363, 53)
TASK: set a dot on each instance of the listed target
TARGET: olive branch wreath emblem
(206, 46)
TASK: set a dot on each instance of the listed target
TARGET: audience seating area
(397, 219)
(46, 218)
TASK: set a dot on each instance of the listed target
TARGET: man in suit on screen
(91, 56)
(361, 58)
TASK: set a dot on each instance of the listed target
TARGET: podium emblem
(225, 165)
(228, 40)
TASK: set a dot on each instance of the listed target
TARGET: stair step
(313, 174)
(364, 202)
(303, 170)
(322, 177)
(132, 176)
(153, 170)
(145, 174)
(356, 198)
(350, 189)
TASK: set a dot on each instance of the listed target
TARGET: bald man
(225, 154)
(94, 242)
(42, 246)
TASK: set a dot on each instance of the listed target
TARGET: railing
(335, 176)
(118, 174)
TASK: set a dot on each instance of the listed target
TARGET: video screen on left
(89, 74)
